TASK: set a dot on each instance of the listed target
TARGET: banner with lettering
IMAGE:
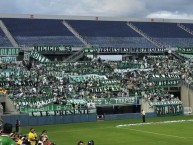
(53, 48)
(80, 78)
(18, 72)
(188, 50)
(58, 74)
(9, 51)
(132, 65)
(38, 56)
(131, 70)
(163, 103)
(68, 104)
(112, 88)
(62, 112)
(114, 101)
(62, 63)
(49, 107)
(157, 56)
(8, 59)
(105, 50)
(89, 50)
(168, 109)
(166, 82)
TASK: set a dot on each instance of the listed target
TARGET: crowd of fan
(10, 137)
(28, 83)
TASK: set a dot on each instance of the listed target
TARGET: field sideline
(107, 132)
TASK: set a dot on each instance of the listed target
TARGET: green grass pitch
(106, 132)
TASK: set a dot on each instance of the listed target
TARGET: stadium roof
(67, 17)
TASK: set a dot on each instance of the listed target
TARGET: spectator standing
(44, 135)
(32, 136)
(143, 115)
(17, 126)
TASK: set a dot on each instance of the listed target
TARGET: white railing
(185, 28)
(8, 34)
(159, 45)
(75, 56)
(76, 34)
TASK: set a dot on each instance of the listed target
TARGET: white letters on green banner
(39, 57)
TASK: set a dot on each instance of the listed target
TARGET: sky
(173, 9)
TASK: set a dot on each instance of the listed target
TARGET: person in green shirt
(5, 138)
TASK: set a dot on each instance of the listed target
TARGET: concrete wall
(27, 120)
(187, 95)
(146, 106)
(9, 106)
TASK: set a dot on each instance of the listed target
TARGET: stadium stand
(166, 33)
(190, 26)
(4, 42)
(30, 32)
(62, 82)
(45, 85)
(109, 34)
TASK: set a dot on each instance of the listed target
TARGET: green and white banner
(69, 102)
(7, 73)
(104, 50)
(110, 50)
(9, 51)
(166, 82)
(80, 78)
(49, 107)
(59, 74)
(168, 110)
(62, 63)
(112, 88)
(8, 59)
(163, 103)
(157, 56)
(38, 56)
(188, 50)
(114, 101)
(53, 48)
(90, 50)
(131, 70)
(63, 112)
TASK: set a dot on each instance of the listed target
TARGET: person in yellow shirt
(32, 137)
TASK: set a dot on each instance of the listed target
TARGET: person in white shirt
(143, 115)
